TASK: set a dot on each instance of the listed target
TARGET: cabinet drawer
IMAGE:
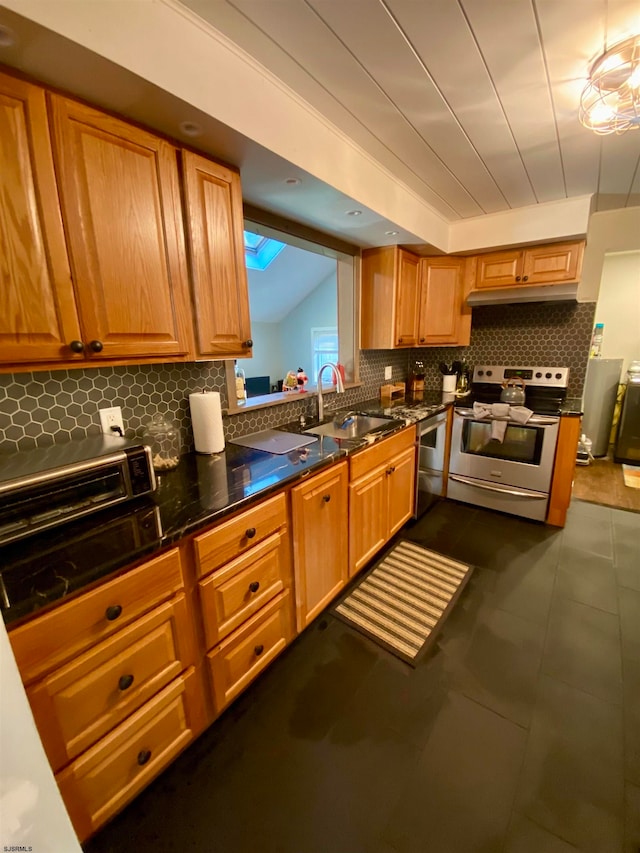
(79, 703)
(228, 540)
(238, 590)
(238, 659)
(365, 461)
(104, 779)
(51, 640)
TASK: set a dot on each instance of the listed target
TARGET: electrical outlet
(387, 372)
(111, 418)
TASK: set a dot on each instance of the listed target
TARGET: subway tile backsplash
(46, 407)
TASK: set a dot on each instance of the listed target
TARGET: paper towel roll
(206, 420)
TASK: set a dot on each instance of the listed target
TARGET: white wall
(619, 307)
(267, 352)
(319, 309)
(32, 814)
(609, 231)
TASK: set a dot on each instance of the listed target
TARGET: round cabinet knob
(125, 682)
(76, 346)
(113, 612)
(525, 278)
(250, 532)
(247, 344)
(143, 756)
(517, 278)
(258, 650)
(421, 340)
(326, 498)
(254, 586)
(96, 346)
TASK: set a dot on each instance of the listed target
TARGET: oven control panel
(549, 377)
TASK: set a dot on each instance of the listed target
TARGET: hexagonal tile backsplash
(40, 408)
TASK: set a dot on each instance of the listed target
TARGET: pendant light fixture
(610, 102)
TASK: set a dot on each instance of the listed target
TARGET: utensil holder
(449, 383)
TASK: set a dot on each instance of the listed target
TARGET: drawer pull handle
(125, 682)
(250, 532)
(326, 498)
(258, 650)
(143, 756)
(254, 586)
(113, 612)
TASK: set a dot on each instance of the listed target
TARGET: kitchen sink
(355, 426)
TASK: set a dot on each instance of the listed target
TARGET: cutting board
(274, 441)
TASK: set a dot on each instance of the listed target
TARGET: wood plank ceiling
(471, 103)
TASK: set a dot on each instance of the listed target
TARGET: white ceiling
(466, 108)
(287, 281)
(472, 103)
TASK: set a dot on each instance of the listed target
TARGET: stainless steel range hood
(510, 295)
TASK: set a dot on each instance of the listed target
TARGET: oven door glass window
(520, 443)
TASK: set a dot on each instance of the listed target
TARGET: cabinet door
(401, 476)
(552, 264)
(407, 300)
(38, 319)
(367, 518)
(499, 269)
(441, 283)
(216, 241)
(121, 206)
(319, 509)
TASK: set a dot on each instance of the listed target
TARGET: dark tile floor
(520, 733)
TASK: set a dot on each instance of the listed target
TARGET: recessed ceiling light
(293, 182)
(190, 128)
(392, 233)
(7, 37)
(354, 212)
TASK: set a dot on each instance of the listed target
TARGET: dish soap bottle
(596, 341)
(241, 385)
(163, 437)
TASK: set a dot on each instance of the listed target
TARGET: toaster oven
(45, 487)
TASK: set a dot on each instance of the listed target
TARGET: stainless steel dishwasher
(431, 438)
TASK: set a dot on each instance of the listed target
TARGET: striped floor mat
(403, 601)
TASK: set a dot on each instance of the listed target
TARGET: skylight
(260, 251)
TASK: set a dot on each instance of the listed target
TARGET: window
(324, 347)
(303, 307)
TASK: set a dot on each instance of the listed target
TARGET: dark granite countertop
(572, 407)
(40, 571)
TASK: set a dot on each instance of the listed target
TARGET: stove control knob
(558, 376)
(538, 375)
(481, 373)
(547, 375)
(489, 372)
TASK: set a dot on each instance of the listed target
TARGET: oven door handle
(431, 427)
(503, 490)
(534, 420)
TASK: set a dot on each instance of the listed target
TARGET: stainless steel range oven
(513, 474)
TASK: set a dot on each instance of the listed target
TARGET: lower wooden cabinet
(320, 536)
(79, 703)
(244, 654)
(102, 780)
(381, 495)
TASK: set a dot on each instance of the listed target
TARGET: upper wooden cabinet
(390, 298)
(38, 317)
(445, 318)
(552, 264)
(120, 195)
(410, 302)
(216, 241)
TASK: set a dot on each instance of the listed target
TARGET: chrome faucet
(339, 386)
